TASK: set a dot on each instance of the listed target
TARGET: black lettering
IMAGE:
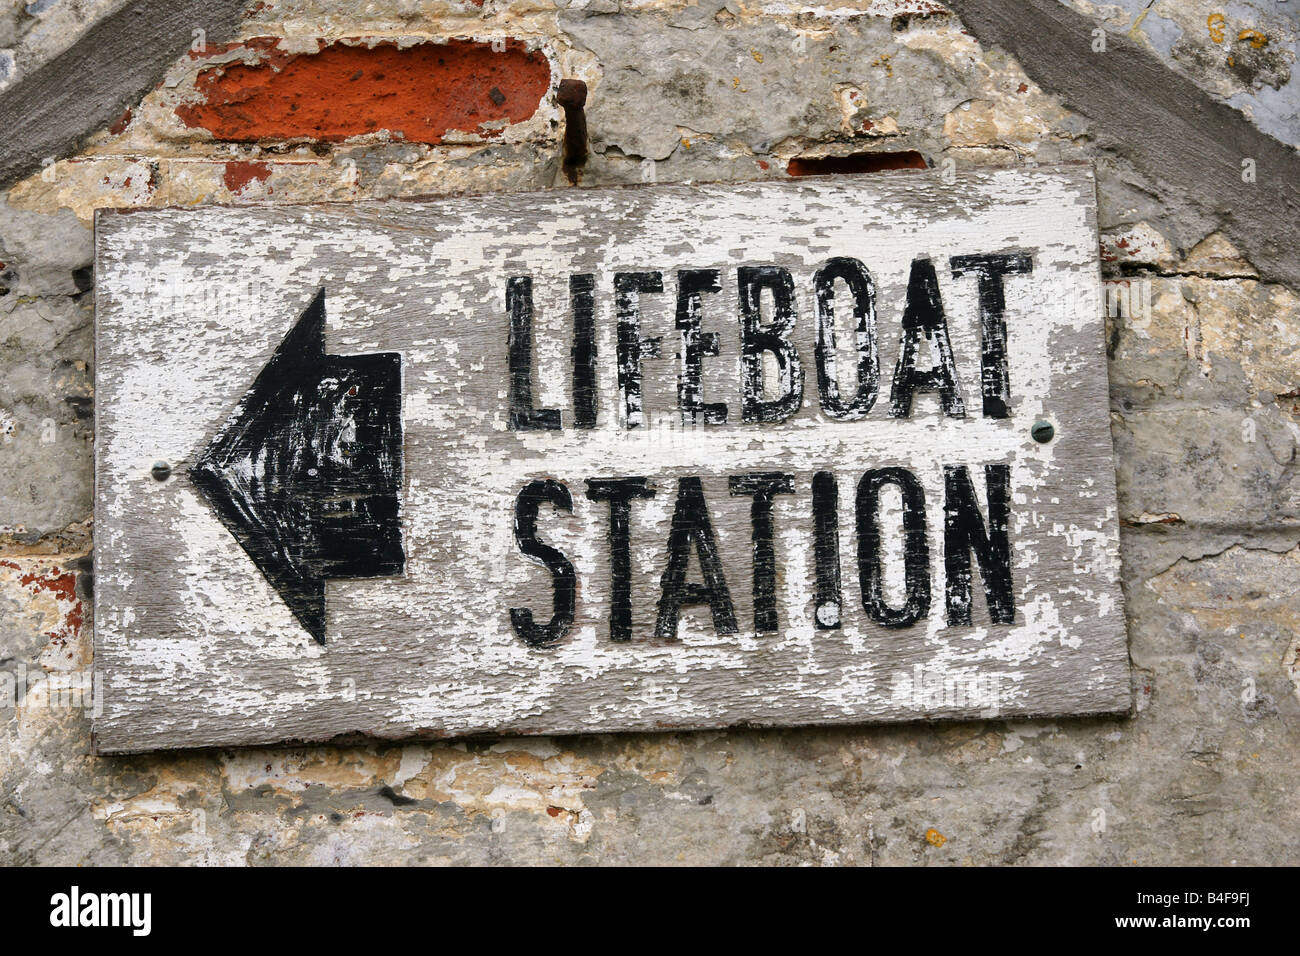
(519, 303)
(854, 275)
(916, 550)
(964, 531)
(563, 578)
(995, 380)
(628, 287)
(619, 492)
(581, 295)
(923, 316)
(763, 487)
(691, 285)
(757, 338)
(826, 548)
(691, 527)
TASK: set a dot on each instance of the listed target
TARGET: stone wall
(1205, 393)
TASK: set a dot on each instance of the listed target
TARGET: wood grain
(811, 553)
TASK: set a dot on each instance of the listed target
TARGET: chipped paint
(434, 648)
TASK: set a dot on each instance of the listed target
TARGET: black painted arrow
(305, 474)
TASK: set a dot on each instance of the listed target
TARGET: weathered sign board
(816, 451)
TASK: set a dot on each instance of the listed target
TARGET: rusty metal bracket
(572, 97)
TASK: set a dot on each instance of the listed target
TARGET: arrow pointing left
(305, 473)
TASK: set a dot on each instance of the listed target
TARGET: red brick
(348, 89)
(239, 175)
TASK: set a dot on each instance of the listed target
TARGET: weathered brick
(421, 93)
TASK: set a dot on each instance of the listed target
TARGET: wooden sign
(806, 452)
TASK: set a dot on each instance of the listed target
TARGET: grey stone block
(46, 415)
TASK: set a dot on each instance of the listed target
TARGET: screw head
(1042, 432)
(161, 471)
